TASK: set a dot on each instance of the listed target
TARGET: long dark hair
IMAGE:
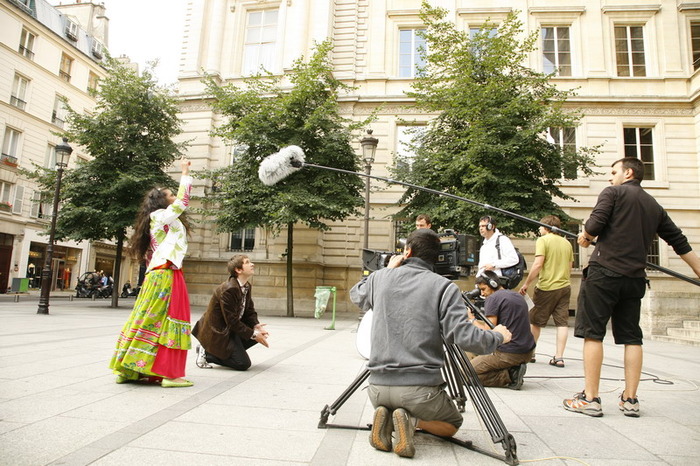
(140, 240)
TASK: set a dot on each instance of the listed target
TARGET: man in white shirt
(497, 252)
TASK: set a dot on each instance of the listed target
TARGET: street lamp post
(369, 147)
(63, 152)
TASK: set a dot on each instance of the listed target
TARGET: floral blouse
(168, 234)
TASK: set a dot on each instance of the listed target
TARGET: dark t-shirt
(511, 310)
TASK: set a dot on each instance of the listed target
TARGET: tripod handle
(475, 310)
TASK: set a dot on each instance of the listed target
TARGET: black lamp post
(369, 147)
(63, 152)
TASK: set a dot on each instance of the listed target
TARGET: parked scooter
(128, 291)
(88, 285)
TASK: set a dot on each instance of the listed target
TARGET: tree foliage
(486, 143)
(129, 137)
(263, 116)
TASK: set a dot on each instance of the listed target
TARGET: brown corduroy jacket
(221, 320)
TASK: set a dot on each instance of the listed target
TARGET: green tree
(129, 136)
(486, 142)
(265, 114)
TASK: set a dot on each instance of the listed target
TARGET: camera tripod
(459, 374)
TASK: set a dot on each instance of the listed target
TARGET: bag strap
(498, 246)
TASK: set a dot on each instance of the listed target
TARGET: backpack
(514, 274)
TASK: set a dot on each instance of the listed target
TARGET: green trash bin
(322, 295)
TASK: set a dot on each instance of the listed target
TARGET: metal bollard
(16, 298)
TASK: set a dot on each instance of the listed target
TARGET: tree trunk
(290, 287)
(117, 268)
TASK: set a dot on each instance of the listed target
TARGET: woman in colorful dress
(154, 341)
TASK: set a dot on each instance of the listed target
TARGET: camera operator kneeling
(507, 365)
(413, 307)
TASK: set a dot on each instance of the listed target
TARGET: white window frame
(245, 235)
(26, 43)
(64, 71)
(50, 158)
(58, 116)
(20, 86)
(415, 59)
(634, 15)
(630, 53)
(72, 30)
(93, 81)
(560, 134)
(638, 148)
(98, 48)
(19, 200)
(260, 52)
(5, 192)
(694, 44)
(557, 67)
(564, 16)
(36, 203)
(11, 143)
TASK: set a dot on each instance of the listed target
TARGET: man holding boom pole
(624, 221)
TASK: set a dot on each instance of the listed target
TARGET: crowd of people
(414, 309)
(406, 356)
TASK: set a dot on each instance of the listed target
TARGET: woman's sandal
(558, 362)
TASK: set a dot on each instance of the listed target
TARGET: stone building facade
(47, 55)
(634, 64)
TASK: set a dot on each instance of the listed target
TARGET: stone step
(678, 340)
(684, 333)
(691, 324)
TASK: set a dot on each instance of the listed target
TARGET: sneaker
(405, 426)
(579, 404)
(201, 360)
(517, 376)
(629, 406)
(382, 426)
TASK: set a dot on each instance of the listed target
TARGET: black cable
(654, 378)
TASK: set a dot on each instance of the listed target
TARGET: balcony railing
(7, 159)
(56, 120)
(64, 76)
(26, 52)
(17, 102)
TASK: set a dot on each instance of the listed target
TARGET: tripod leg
(482, 403)
(455, 382)
(335, 406)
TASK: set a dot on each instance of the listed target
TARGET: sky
(145, 30)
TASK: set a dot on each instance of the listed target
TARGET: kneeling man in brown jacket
(230, 325)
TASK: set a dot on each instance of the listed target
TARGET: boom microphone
(278, 166)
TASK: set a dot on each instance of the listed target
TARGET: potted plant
(5, 207)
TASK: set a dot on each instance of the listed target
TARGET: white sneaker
(201, 360)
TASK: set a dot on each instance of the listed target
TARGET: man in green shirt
(554, 258)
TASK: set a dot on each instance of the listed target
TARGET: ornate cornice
(636, 111)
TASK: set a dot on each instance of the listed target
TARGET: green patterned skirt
(155, 339)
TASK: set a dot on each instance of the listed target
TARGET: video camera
(457, 254)
(475, 302)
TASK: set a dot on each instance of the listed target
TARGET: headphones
(489, 226)
(491, 279)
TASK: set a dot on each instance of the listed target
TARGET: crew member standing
(623, 224)
(497, 252)
(554, 258)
